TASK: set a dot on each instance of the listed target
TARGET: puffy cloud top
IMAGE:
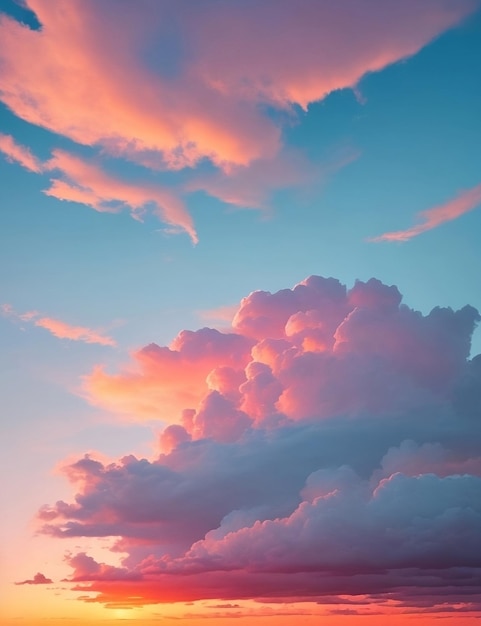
(328, 445)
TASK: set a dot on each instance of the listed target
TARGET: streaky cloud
(59, 328)
(88, 184)
(432, 218)
(16, 153)
(62, 330)
(75, 179)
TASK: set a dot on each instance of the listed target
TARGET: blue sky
(349, 164)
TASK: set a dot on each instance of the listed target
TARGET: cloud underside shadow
(328, 444)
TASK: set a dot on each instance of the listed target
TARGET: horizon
(239, 312)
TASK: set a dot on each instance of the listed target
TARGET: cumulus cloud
(326, 447)
(38, 579)
(317, 350)
(164, 381)
(59, 328)
(432, 218)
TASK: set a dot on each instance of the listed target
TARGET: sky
(239, 298)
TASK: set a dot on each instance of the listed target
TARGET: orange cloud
(19, 154)
(220, 314)
(463, 203)
(88, 184)
(155, 386)
(58, 328)
(314, 350)
(62, 330)
(117, 79)
(90, 83)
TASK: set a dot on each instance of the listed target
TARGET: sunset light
(240, 303)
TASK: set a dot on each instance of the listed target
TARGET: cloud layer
(328, 445)
(176, 85)
(196, 92)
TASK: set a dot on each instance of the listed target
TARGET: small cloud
(15, 153)
(58, 328)
(432, 218)
(62, 330)
(38, 579)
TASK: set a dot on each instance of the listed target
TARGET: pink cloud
(327, 448)
(135, 112)
(316, 350)
(19, 154)
(58, 328)
(164, 381)
(203, 102)
(62, 330)
(38, 579)
(288, 52)
(200, 95)
(250, 186)
(86, 183)
(432, 218)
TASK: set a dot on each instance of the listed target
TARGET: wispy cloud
(62, 330)
(227, 60)
(251, 186)
(19, 154)
(208, 99)
(463, 203)
(88, 184)
(77, 180)
(58, 328)
(220, 314)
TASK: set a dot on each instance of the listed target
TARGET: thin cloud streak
(77, 180)
(59, 328)
(16, 153)
(432, 218)
(62, 330)
(88, 184)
